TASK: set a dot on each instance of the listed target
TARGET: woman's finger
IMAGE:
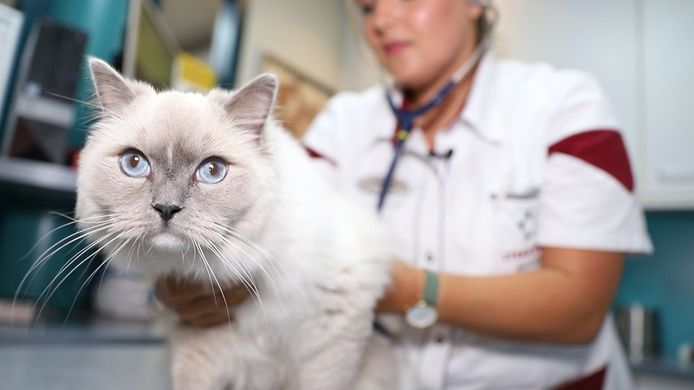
(210, 319)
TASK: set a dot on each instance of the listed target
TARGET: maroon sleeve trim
(594, 381)
(314, 154)
(603, 149)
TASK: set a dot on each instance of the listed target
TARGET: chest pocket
(516, 219)
(370, 171)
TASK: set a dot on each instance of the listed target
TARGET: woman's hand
(196, 303)
(405, 289)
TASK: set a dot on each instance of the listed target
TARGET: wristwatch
(424, 313)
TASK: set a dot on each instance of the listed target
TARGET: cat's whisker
(38, 242)
(231, 230)
(73, 219)
(251, 280)
(209, 274)
(184, 253)
(228, 264)
(30, 275)
(74, 259)
(132, 250)
(33, 273)
(151, 246)
(76, 236)
(223, 238)
(195, 258)
(248, 283)
(106, 262)
(238, 235)
(278, 267)
(82, 251)
(103, 274)
(87, 103)
(255, 293)
(44, 301)
(139, 245)
(221, 291)
(88, 259)
(54, 289)
(229, 242)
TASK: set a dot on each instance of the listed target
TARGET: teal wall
(104, 21)
(28, 234)
(665, 279)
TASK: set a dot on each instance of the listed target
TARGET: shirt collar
(480, 111)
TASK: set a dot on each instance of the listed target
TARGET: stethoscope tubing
(405, 118)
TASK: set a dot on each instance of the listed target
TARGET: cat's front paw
(201, 358)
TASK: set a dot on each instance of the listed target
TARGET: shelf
(45, 184)
(664, 368)
(96, 331)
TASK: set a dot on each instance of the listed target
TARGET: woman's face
(419, 41)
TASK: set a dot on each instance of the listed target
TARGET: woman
(511, 202)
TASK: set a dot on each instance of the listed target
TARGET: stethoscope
(405, 117)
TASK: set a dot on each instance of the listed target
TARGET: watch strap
(431, 288)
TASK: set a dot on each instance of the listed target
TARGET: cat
(211, 188)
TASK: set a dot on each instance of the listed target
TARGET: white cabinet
(639, 50)
(668, 102)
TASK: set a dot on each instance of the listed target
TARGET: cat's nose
(166, 211)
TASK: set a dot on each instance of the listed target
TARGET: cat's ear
(251, 105)
(113, 92)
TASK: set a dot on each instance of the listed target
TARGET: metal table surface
(80, 358)
(83, 366)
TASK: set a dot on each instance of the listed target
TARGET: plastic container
(637, 327)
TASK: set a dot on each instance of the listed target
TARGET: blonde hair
(485, 23)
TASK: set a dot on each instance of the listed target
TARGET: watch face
(421, 316)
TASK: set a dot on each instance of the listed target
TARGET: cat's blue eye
(211, 171)
(134, 163)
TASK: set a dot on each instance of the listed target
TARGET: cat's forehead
(177, 110)
(184, 125)
(175, 119)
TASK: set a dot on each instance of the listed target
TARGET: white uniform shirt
(535, 159)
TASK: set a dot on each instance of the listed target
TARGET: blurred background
(62, 334)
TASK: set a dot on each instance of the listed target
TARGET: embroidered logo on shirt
(373, 184)
(528, 224)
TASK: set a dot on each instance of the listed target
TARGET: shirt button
(430, 258)
(439, 338)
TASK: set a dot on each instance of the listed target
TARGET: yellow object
(402, 135)
(192, 74)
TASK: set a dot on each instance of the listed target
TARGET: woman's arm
(564, 301)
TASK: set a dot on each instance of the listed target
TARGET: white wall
(316, 37)
(360, 68)
(306, 34)
(592, 35)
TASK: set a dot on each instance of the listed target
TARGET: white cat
(208, 187)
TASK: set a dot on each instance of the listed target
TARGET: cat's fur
(316, 262)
